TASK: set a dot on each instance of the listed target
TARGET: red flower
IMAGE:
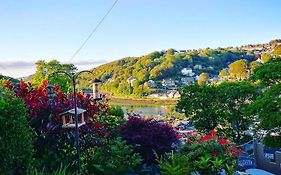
(188, 141)
(206, 138)
(223, 141)
(213, 133)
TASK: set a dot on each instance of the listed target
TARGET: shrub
(148, 136)
(272, 141)
(53, 144)
(174, 164)
(113, 157)
(209, 154)
(15, 136)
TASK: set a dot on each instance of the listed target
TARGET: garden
(34, 142)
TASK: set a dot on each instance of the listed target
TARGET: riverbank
(141, 101)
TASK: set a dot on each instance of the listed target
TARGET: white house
(168, 83)
(131, 80)
(187, 80)
(187, 72)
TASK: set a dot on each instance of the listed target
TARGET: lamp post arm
(61, 72)
(84, 71)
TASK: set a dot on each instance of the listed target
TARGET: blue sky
(54, 29)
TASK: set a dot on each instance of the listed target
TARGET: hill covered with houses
(161, 74)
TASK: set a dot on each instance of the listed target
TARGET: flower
(222, 141)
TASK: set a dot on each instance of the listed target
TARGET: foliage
(174, 164)
(62, 170)
(2, 77)
(112, 157)
(223, 74)
(209, 154)
(160, 65)
(265, 57)
(200, 104)
(277, 50)
(49, 71)
(15, 136)
(267, 107)
(148, 136)
(203, 79)
(54, 145)
(253, 66)
(272, 141)
(268, 73)
(116, 111)
(234, 98)
(238, 69)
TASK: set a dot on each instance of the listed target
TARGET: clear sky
(54, 29)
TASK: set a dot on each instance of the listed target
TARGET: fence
(273, 166)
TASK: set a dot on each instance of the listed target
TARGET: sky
(54, 29)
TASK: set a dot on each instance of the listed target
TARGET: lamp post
(73, 78)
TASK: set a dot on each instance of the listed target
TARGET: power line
(93, 31)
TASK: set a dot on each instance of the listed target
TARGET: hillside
(170, 69)
(3, 77)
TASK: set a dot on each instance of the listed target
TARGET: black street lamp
(73, 78)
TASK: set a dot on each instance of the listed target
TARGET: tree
(268, 73)
(277, 50)
(200, 104)
(45, 71)
(170, 51)
(223, 74)
(268, 107)
(265, 57)
(234, 98)
(16, 137)
(239, 69)
(254, 65)
(203, 78)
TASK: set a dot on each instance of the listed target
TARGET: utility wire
(93, 31)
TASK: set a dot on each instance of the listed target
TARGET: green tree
(268, 107)
(203, 78)
(268, 73)
(16, 137)
(234, 98)
(200, 104)
(239, 69)
(47, 71)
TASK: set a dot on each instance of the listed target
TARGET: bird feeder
(68, 118)
(96, 93)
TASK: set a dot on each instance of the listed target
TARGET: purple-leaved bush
(148, 136)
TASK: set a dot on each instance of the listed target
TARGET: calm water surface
(145, 110)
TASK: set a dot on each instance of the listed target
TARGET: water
(146, 110)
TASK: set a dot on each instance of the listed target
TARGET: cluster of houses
(169, 88)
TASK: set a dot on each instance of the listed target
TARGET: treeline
(162, 65)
